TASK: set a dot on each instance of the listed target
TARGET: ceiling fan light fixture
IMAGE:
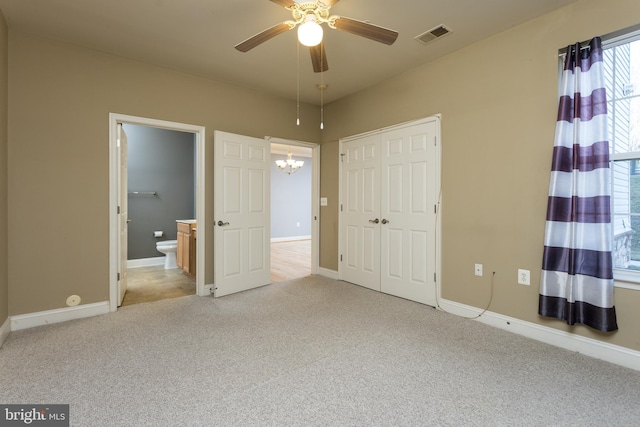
(310, 33)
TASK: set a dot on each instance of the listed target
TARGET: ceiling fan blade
(284, 3)
(319, 58)
(262, 37)
(329, 2)
(364, 29)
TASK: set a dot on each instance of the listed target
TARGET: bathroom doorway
(161, 184)
(144, 258)
(294, 211)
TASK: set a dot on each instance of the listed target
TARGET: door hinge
(435, 141)
(434, 277)
(118, 209)
(342, 157)
(340, 257)
(340, 207)
(118, 276)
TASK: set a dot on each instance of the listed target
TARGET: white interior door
(361, 212)
(241, 213)
(390, 182)
(123, 220)
(408, 200)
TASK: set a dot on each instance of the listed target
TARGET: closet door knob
(222, 224)
(384, 221)
(374, 221)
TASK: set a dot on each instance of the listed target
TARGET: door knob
(129, 220)
(374, 221)
(384, 221)
(222, 224)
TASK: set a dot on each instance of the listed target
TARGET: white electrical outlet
(524, 277)
(478, 269)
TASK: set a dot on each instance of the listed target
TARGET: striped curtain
(577, 279)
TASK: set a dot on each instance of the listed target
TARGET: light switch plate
(323, 201)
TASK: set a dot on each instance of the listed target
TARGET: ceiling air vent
(432, 34)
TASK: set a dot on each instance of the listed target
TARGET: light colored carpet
(311, 351)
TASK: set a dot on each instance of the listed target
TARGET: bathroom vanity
(186, 250)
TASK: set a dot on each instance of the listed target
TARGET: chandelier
(289, 166)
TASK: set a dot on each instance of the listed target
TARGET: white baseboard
(31, 320)
(289, 239)
(597, 349)
(331, 274)
(145, 262)
(4, 330)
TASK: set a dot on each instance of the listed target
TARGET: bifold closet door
(408, 199)
(360, 253)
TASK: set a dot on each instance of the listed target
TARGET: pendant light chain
(298, 84)
(322, 86)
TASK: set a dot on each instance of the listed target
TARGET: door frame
(315, 195)
(438, 218)
(114, 241)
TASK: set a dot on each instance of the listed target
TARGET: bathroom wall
(290, 200)
(159, 160)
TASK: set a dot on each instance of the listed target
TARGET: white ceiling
(198, 36)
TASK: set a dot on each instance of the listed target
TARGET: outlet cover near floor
(524, 277)
(478, 269)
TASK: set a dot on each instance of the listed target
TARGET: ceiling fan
(307, 16)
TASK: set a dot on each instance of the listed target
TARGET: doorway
(294, 211)
(241, 210)
(117, 245)
(161, 183)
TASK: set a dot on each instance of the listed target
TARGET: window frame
(623, 278)
(626, 279)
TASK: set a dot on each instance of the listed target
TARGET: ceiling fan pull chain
(298, 83)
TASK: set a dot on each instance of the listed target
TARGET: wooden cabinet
(186, 250)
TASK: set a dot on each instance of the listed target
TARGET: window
(622, 78)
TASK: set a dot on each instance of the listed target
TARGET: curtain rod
(609, 39)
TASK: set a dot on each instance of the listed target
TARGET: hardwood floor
(289, 260)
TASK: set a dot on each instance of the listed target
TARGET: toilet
(168, 247)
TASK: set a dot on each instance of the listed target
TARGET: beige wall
(498, 105)
(4, 286)
(328, 214)
(60, 99)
